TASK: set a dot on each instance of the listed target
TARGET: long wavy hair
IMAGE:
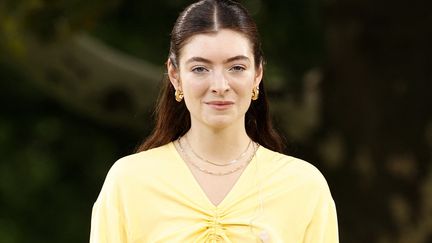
(173, 118)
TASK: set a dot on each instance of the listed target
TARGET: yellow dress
(153, 197)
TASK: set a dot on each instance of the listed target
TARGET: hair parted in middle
(205, 17)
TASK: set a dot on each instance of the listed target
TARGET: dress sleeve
(323, 227)
(107, 220)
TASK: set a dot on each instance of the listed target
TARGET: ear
(258, 75)
(173, 74)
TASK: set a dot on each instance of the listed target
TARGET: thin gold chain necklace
(212, 172)
(213, 163)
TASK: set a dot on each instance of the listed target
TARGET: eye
(199, 70)
(237, 68)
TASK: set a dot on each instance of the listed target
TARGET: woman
(211, 170)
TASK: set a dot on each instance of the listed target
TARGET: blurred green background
(349, 81)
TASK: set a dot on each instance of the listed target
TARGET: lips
(220, 104)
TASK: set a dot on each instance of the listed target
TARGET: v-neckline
(205, 198)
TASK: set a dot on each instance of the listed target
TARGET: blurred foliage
(50, 19)
(349, 83)
(53, 164)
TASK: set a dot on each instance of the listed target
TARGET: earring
(255, 93)
(178, 95)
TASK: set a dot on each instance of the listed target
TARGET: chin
(220, 122)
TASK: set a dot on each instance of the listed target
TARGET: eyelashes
(202, 69)
(238, 68)
(199, 70)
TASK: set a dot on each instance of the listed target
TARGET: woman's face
(216, 74)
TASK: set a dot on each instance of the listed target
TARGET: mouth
(220, 105)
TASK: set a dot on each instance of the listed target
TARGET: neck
(218, 145)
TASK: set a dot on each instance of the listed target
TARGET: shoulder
(132, 174)
(141, 164)
(294, 170)
(151, 154)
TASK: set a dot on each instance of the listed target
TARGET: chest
(189, 219)
(215, 187)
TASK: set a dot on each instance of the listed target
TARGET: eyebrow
(231, 59)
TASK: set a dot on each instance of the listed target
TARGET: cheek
(243, 84)
(194, 89)
(242, 88)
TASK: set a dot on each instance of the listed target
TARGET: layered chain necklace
(190, 161)
(216, 164)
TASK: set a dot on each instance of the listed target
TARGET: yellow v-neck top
(152, 196)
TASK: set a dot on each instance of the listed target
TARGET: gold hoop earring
(255, 93)
(178, 95)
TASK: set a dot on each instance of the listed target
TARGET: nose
(219, 84)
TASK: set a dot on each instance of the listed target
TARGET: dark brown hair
(173, 118)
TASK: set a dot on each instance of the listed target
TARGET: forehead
(217, 46)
